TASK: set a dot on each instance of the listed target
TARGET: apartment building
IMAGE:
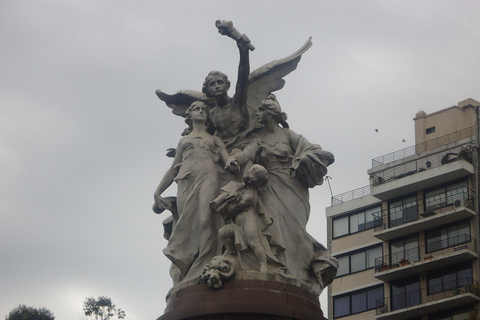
(407, 243)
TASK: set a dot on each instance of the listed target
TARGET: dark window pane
(372, 297)
(341, 306)
(359, 302)
(434, 285)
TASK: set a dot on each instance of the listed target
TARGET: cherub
(246, 217)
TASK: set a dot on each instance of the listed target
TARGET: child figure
(246, 217)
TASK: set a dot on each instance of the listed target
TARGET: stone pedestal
(243, 299)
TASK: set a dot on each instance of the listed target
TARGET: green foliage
(22, 312)
(102, 308)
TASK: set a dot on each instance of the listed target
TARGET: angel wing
(269, 77)
(261, 82)
(180, 101)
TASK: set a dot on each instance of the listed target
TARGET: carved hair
(215, 74)
(272, 106)
(257, 175)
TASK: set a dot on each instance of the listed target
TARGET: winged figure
(230, 116)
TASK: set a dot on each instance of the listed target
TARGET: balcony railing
(426, 252)
(428, 145)
(421, 164)
(350, 195)
(425, 295)
(424, 208)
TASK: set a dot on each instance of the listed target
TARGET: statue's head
(271, 107)
(194, 111)
(257, 175)
(216, 83)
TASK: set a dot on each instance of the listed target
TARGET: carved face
(216, 86)
(262, 114)
(198, 112)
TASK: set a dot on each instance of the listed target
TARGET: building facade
(407, 244)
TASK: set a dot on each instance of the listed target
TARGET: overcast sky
(83, 135)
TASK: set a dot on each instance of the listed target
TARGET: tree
(102, 308)
(22, 312)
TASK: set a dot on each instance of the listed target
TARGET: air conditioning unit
(457, 203)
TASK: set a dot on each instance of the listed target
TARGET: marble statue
(294, 165)
(246, 219)
(194, 241)
(223, 228)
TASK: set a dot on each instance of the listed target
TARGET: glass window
(370, 218)
(341, 306)
(406, 248)
(445, 196)
(358, 301)
(405, 293)
(340, 227)
(373, 254)
(343, 266)
(448, 236)
(356, 222)
(403, 211)
(359, 260)
(449, 278)
(372, 297)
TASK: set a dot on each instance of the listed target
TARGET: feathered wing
(269, 77)
(180, 101)
(261, 82)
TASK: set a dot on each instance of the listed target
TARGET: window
(358, 260)
(440, 198)
(404, 249)
(403, 211)
(405, 293)
(357, 302)
(355, 222)
(449, 278)
(448, 236)
(430, 130)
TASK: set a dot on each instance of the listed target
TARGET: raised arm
(243, 71)
(241, 92)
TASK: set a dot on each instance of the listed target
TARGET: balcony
(421, 171)
(351, 195)
(424, 214)
(420, 302)
(425, 146)
(424, 258)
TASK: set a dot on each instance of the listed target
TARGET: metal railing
(421, 164)
(424, 208)
(425, 295)
(428, 145)
(350, 195)
(425, 252)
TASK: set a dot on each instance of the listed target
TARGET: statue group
(242, 176)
